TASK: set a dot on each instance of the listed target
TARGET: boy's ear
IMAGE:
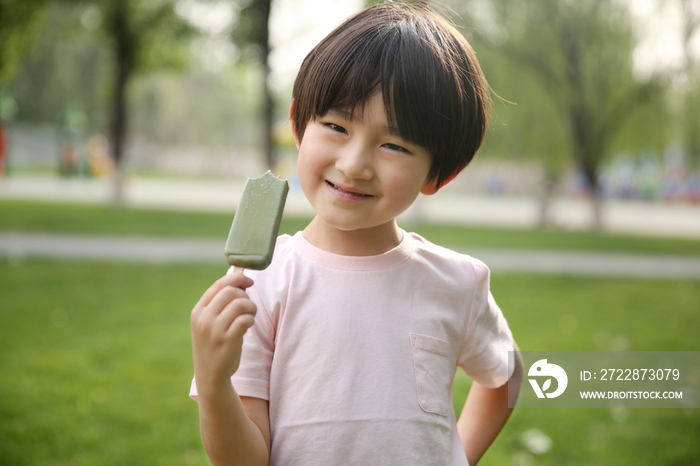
(291, 122)
(431, 187)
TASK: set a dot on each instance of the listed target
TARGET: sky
(658, 24)
(295, 27)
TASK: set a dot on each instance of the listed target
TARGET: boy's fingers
(223, 298)
(236, 280)
(209, 294)
(236, 308)
(233, 311)
(240, 325)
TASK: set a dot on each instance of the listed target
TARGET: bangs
(427, 84)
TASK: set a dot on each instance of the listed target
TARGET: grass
(95, 358)
(101, 219)
(95, 364)
(558, 313)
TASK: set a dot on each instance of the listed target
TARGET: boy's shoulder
(435, 252)
(426, 246)
(284, 250)
(281, 255)
(283, 241)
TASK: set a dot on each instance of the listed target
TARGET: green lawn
(95, 358)
(101, 219)
(95, 364)
(558, 313)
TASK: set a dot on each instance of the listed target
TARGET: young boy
(354, 333)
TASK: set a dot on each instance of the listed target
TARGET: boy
(355, 331)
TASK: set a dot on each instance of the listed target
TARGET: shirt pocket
(431, 363)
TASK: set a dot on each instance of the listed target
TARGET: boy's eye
(395, 147)
(336, 128)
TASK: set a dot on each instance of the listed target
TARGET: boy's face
(358, 173)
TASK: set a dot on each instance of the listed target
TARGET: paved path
(15, 246)
(449, 206)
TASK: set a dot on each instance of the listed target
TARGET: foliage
(196, 107)
(70, 72)
(142, 35)
(252, 33)
(690, 123)
(570, 64)
(137, 36)
(151, 32)
(20, 25)
(251, 28)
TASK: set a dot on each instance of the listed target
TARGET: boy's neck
(364, 242)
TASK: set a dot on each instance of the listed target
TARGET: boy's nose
(354, 162)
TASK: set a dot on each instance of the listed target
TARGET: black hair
(433, 88)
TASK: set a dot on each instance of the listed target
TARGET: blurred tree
(141, 36)
(69, 70)
(252, 34)
(580, 54)
(144, 35)
(691, 74)
(20, 27)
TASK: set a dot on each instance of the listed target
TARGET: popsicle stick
(238, 269)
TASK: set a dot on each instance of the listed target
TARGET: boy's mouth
(354, 193)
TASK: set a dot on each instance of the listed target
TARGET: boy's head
(432, 84)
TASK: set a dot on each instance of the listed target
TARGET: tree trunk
(591, 173)
(586, 149)
(268, 119)
(269, 100)
(549, 183)
(122, 57)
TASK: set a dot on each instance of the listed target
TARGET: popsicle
(251, 241)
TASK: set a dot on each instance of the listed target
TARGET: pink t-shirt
(356, 355)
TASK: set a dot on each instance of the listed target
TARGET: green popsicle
(255, 226)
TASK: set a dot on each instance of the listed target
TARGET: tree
(20, 25)
(691, 71)
(143, 35)
(252, 34)
(580, 52)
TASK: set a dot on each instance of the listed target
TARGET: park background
(142, 118)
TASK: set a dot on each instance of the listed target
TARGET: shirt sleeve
(487, 340)
(253, 375)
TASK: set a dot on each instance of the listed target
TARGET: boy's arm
(486, 412)
(234, 430)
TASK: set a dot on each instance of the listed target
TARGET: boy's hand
(219, 320)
